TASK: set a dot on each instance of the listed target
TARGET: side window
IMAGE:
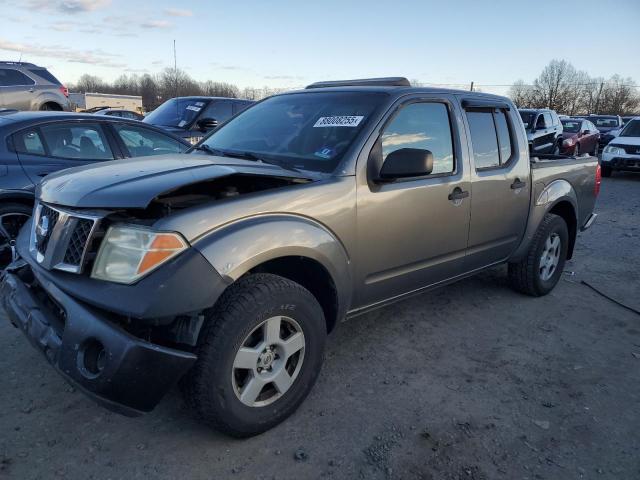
(547, 119)
(77, 141)
(425, 126)
(219, 110)
(483, 138)
(143, 142)
(490, 137)
(540, 122)
(28, 142)
(11, 78)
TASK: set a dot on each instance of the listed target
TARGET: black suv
(192, 118)
(544, 130)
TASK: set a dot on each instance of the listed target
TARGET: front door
(412, 232)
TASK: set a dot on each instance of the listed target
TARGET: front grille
(61, 239)
(631, 149)
(78, 242)
(52, 219)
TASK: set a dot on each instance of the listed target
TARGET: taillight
(64, 90)
(596, 189)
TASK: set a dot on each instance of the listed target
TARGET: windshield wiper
(207, 149)
(252, 156)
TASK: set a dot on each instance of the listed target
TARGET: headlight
(614, 150)
(129, 253)
(194, 140)
(567, 142)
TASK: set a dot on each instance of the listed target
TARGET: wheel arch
(292, 246)
(17, 196)
(559, 198)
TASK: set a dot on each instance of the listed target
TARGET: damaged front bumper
(122, 372)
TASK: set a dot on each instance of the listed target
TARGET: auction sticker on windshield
(339, 121)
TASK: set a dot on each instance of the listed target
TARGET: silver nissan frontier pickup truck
(225, 268)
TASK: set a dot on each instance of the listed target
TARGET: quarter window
(490, 137)
(29, 142)
(425, 126)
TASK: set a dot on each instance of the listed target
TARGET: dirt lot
(472, 381)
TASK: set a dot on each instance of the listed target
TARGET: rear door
(500, 184)
(18, 90)
(55, 146)
(412, 233)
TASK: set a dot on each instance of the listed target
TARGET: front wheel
(259, 353)
(12, 218)
(539, 271)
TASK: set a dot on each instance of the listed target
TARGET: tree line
(563, 88)
(560, 87)
(156, 89)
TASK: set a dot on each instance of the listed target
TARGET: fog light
(92, 358)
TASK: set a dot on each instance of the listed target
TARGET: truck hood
(134, 183)
(625, 141)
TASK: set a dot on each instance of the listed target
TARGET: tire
(213, 388)
(526, 276)
(576, 150)
(605, 171)
(12, 217)
(50, 107)
(556, 150)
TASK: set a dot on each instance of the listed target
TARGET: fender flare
(236, 248)
(8, 195)
(551, 195)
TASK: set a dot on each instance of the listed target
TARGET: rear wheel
(12, 217)
(539, 271)
(259, 354)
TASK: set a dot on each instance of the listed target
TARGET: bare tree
(521, 94)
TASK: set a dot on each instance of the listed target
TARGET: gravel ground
(472, 381)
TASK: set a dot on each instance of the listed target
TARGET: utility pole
(598, 98)
(175, 74)
(471, 89)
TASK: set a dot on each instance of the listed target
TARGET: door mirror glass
(205, 124)
(407, 162)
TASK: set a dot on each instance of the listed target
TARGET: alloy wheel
(550, 257)
(268, 362)
(10, 225)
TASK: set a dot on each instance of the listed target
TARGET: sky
(282, 43)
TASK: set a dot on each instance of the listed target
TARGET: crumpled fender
(236, 248)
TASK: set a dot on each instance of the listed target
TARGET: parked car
(627, 118)
(231, 264)
(25, 86)
(623, 153)
(580, 136)
(544, 130)
(608, 125)
(193, 117)
(116, 112)
(35, 144)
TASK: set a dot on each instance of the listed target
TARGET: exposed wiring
(631, 309)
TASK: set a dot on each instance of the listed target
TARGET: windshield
(605, 122)
(571, 126)
(527, 119)
(177, 112)
(309, 131)
(632, 129)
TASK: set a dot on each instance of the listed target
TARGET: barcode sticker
(339, 121)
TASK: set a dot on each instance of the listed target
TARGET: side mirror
(585, 132)
(407, 162)
(205, 124)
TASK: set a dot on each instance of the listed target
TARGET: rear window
(605, 122)
(46, 75)
(490, 137)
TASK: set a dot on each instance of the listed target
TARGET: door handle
(518, 184)
(458, 194)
